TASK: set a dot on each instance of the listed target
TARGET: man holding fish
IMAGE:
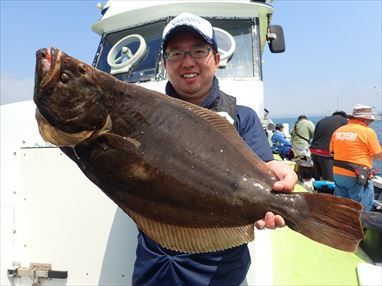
(191, 58)
(194, 185)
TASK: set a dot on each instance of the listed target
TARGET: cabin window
(241, 63)
(244, 61)
(146, 67)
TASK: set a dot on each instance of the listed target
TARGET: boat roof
(119, 15)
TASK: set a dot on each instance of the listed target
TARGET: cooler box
(304, 169)
(324, 186)
(372, 244)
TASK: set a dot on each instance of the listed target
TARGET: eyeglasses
(195, 53)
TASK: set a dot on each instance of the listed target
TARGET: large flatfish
(180, 171)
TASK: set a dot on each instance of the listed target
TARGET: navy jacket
(157, 266)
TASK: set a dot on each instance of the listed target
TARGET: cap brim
(367, 117)
(184, 28)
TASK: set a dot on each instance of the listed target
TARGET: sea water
(376, 125)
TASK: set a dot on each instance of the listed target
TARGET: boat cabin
(131, 33)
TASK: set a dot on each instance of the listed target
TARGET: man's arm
(374, 146)
(311, 129)
(378, 156)
(283, 140)
(331, 144)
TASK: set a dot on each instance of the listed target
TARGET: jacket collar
(207, 102)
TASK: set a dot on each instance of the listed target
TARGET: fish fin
(193, 240)
(330, 220)
(120, 142)
(58, 137)
(217, 121)
(226, 129)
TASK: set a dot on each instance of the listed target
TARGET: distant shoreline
(309, 115)
(297, 115)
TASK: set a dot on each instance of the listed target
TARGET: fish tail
(328, 219)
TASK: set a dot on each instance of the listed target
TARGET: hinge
(37, 271)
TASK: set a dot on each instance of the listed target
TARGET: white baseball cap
(189, 22)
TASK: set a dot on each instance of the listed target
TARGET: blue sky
(332, 58)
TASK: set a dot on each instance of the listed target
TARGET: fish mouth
(46, 59)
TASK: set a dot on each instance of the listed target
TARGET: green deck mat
(298, 260)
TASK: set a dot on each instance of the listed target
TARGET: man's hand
(270, 221)
(288, 178)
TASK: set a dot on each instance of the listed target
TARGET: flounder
(180, 171)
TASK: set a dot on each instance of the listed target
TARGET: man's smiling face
(191, 78)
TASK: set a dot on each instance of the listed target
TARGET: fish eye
(82, 68)
(64, 78)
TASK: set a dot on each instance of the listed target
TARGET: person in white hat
(191, 58)
(354, 147)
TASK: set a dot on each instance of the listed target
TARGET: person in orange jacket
(354, 146)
